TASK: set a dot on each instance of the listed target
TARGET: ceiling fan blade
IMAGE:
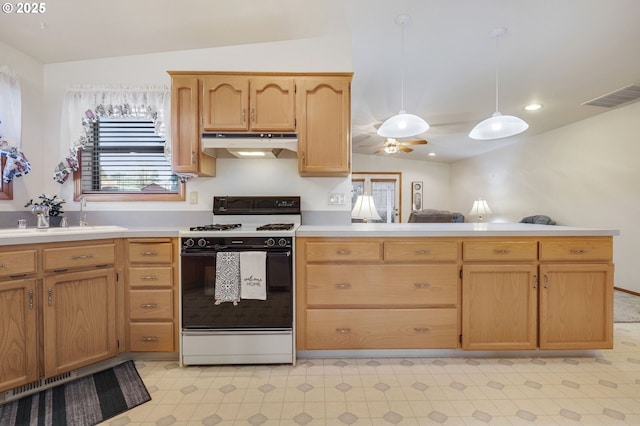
(371, 144)
(420, 142)
(405, 149)
(379, 150)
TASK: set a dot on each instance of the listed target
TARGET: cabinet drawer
(576, 249)
(382, 285)
(500, 250)
(18, 262)
(338, 251)
(409, 251)
(151, 336)
(80, 256)
(150, 252)
(377, 329)
(152, 276)
(151, 304)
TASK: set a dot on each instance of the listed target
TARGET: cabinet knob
(2, 265)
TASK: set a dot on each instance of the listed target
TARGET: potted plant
(53, 203)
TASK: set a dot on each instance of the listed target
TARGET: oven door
(197, 280)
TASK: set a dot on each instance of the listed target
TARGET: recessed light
(432, 154)
(533, 107)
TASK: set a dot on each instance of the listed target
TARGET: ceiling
(560, 53)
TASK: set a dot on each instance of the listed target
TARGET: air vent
(37, 386)
(618, 97)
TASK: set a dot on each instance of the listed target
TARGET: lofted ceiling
(560, 53)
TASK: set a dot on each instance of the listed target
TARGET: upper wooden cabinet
(324, 125)
(186, 155)
(241, 103)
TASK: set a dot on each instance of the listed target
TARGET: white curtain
(83, 105)
(11, 126)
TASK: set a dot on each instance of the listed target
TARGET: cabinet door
(272, 104)
(18, 341)
(576, 306)
(79, 319)
(499, 307)
(224, 103)
(324, 126)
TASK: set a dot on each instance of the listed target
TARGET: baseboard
(626, 291)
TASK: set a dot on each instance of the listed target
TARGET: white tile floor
(604, 390)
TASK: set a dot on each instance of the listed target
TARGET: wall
(585, 174)
(434, 176)
(255, 177)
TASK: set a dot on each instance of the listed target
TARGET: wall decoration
(416, 195)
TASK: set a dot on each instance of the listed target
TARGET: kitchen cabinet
(324, 125)
(186, 156)
(377, 293)
(152, 297)
(243, 103)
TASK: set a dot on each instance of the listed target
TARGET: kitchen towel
(227, 277)
(253, 283)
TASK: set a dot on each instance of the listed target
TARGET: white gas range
(247, 331)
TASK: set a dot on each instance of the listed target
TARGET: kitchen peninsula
(469, 286)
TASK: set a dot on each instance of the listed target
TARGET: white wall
(30, 74)
(234, 176)
(434, 176)
(585, 174)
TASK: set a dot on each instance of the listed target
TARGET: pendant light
(498, 126)
(402, 125)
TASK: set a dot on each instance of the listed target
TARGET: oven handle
(223, 331)
(205, 253)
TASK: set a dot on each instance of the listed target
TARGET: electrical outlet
(336, 198)
(193, 197)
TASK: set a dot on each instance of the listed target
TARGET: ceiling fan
(393, 145)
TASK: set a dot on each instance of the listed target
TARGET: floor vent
(618, 97)
(37, 386)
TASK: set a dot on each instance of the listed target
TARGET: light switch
(193, 197)
(336, 198)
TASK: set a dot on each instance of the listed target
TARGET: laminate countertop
(450, 230)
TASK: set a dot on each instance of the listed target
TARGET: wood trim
(255, 73)
(6, 189)
(624, 290)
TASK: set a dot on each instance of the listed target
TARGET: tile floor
(603, 390)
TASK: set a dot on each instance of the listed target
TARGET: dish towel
(253, 283)
(227, 277)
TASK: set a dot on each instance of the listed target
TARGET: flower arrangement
(54, 203)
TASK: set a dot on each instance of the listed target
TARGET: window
(123, 159)
(385, 189)
(6, 189)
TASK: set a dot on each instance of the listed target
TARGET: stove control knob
(270, 242)
(202, 242)
(282, 242)
(189, 242)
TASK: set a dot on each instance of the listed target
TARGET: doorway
(385, 189)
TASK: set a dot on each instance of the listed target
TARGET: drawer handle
(148, 339)
(2, 265)
(423, 251)
(343, 286)
(343, 330)
(149, 278)
(422, 285)
(578, 251)
(343, 252)
(82, 257)
(422, 330)
(148, 253)
(50, 296)
(502, 251)
(149, 305)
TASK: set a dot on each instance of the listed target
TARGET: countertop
(449, 230)
(14, 236)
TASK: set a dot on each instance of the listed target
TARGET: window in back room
(124, 159)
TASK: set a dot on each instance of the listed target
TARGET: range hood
(250, 145)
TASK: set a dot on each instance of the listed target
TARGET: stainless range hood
(250, 145)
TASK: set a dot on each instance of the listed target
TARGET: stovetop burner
(216, 227)
(275, 227)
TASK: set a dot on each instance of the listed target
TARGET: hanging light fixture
(498, 126)
(402, 125)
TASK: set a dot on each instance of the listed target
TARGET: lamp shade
(498, 126)
(365, 209)
(480, 208)
(403, 125)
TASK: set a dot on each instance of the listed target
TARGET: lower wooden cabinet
(79, 317)
(18, 333)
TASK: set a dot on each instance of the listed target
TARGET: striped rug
(85, 401)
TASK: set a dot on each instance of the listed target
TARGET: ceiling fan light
(498, 126)
(403, 125)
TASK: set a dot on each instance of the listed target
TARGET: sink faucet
(42, 213)
(83, 215)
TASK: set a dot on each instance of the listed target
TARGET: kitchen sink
(30, 232)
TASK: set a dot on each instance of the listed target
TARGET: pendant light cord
(497, 60)
(402, 66)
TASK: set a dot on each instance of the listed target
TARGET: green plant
(54, 203)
